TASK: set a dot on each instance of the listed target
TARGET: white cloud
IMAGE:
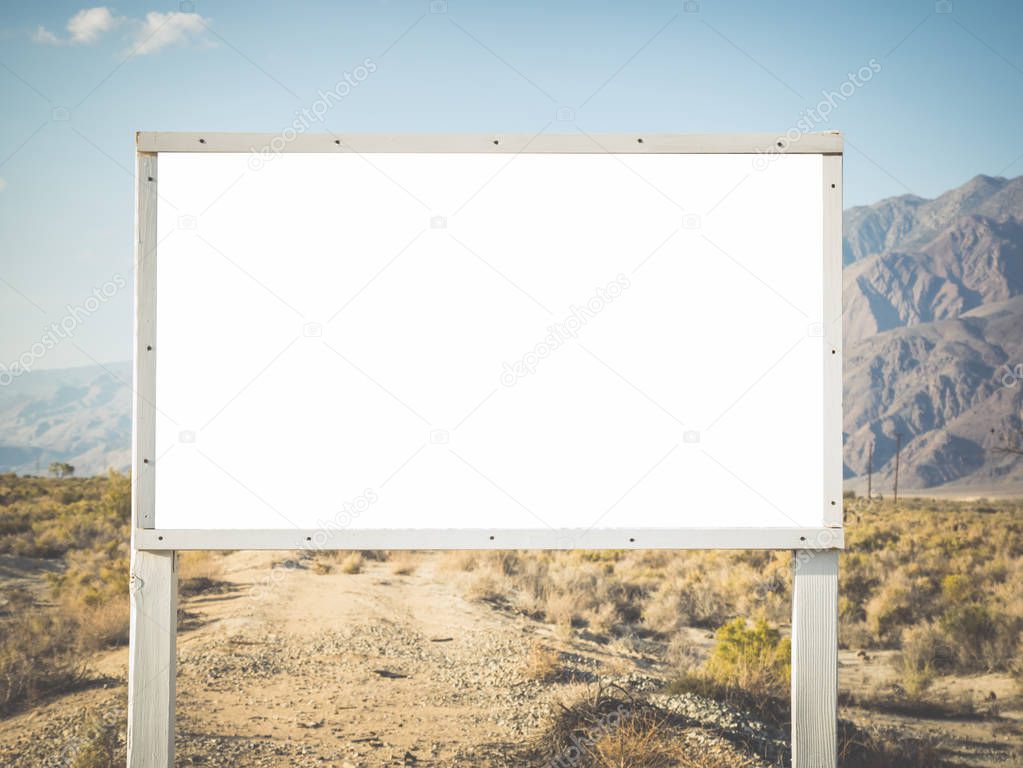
(162, 29)
(85, 27)
(148, 35)
(43, 35)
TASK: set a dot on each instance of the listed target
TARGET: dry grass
(884, 748)
(954, 568)
(38, 657)
(403, 563)
(200, 565)
(542, 664)
(201, 573)
(353, 562)
(615, 594)
(604, 729)
(85, 522)
(103, 626)
(639, 742)
(682, 654)
(99, 744)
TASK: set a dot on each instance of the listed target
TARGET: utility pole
(870, 472)
(898, 450)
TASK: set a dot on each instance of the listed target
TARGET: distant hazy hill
(933, 293)
(934, 328)
(78, 415)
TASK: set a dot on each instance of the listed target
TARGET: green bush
(755, 657)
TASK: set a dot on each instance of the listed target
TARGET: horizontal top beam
(829, 142)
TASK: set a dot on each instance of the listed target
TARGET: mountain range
(81, 416)
(933, 324)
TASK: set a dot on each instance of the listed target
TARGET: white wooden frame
(154, 577)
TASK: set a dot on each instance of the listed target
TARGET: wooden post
(152, 660)
(815, 659)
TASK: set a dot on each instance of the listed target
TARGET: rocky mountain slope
(933, 299)
(81, 416)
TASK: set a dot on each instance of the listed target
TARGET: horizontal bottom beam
(569, 538)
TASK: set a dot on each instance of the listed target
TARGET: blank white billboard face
(446, 341)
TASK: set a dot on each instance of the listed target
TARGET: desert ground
(594, 659)
(305, 660)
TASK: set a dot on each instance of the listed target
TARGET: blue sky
(944, 103)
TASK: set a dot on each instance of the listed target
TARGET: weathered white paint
(152, 662)
(636, 143)
(646, 538)
(833, 338)
(144, 395)
(815, 659)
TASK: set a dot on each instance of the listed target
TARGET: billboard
(476, 341)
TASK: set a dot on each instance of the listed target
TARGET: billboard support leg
(152, 659)
(815, 659)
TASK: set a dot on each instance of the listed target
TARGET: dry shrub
(542, 664)
(981, 638)
(200, 565)
(460, 560)
(608, 730)
(564, 632)
(603, 619)
(639, 742)
(925, 653)
(403, 564)
(613, 593)
(92, 594)
(564, 588)
(681, 601)
(101, 627)
(102, 744)
(1016, 669)
(486, 588)
(891, 609)
(875, 747)
(353, 562)
(682, 654)
(200, 573)
(37, 657)
(573, 731)
(321, 568)
(86, 521)
(854, 634)
(560, 609)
